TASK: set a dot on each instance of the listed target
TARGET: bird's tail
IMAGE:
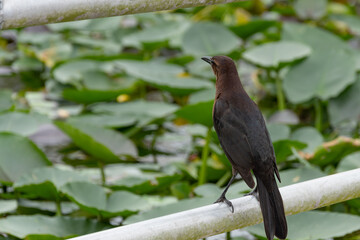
(272, 208)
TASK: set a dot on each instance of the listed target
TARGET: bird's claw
(223, 199)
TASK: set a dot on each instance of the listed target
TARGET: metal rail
(23, 13)
(215, 219)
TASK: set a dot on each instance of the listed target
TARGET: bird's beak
(208, 60)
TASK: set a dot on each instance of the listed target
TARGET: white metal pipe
(215, 219)
(22, 13)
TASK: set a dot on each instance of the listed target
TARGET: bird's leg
(254, 193)
(222, 197)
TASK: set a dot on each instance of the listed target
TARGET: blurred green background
(107, 122)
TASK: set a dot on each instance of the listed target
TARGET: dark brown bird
(245, 140)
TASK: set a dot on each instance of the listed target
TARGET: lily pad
(277, 54)
(164, 76)
(8, 206)
(93, 199)
(207, 38)
(108, 46)
(21, 123)
(147, 182)
(331, 153)
(310, 136)
(46, 207)
(200, 113)
(293, 176)
(316, 225)
(345, 108)
(332, 58)
(72, 71)
(278, 131)
(352, 22)
(88, 96)
(5, 99)
(40, 226)
(349, 162)
(15, 163)
(46, 182)
(252, 27)
(283, 148)
(106, 120)
(308, 9)
(105, 144)
(165, 33)
(141, 111)
(96, 86)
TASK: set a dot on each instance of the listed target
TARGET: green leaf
(309, 9)
(207, 38)
(310, 136)
(278, 131)
(109, 47)
(36, 206)
(105, 144)
(345, 108)
(88, 96)
(97, 86)
(141, 111)
(27, 64)
(182, 205)
(46, 182)
(8, 206)
(202, 96)
(180, 190)
(335, 70)
(315, 225)
(297, 175)
(107, 120)
(200, 113)
(164, 76)
(36, 226)
(161, 33)
(332, 58)
(283, 148)
(250, 28)
(277, 54)
(38, 38)
(93, 199)
(72, 71)
(15, 163)
(349, 162)
(21, 123)
(352, 22)
(147, 182)
(5, 99)
(330, 153)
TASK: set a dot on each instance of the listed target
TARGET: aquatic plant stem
(279, 91)
(204, 157)
(318, 115)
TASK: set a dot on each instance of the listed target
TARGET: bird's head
(220, 64)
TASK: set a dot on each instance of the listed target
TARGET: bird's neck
(228, 83)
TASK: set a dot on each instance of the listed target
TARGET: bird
(246, 142)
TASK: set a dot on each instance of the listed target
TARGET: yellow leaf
(183, 75)
(123, 98)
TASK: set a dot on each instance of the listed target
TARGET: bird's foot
(223, 199)
(253, 193)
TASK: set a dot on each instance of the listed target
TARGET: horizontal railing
(23, 13)
(217, 218)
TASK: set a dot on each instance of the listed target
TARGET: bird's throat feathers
(227, 81)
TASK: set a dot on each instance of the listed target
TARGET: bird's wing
(232, 136)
